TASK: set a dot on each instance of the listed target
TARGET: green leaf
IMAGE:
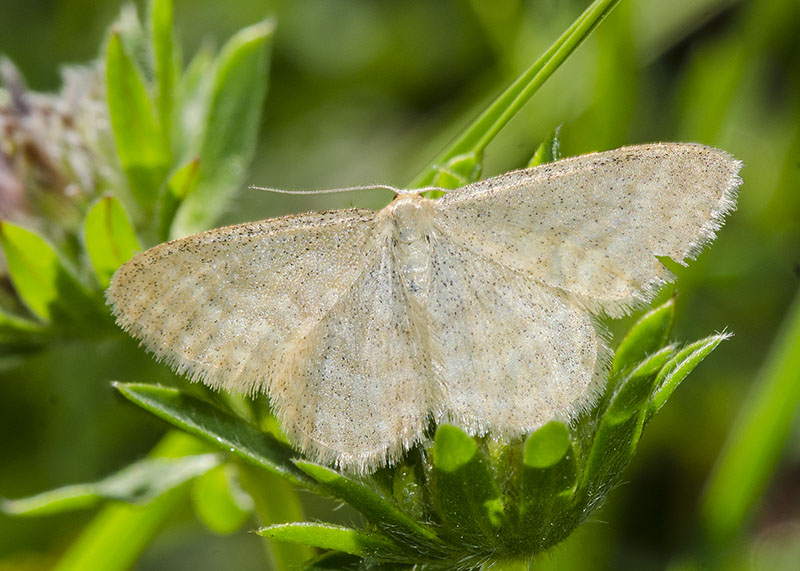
(654, 363)
(619, 428)
(452, 448)
(549, 476)
(219, 502)
(178, 187)
(548, 150)
(328, 536)
(216, 426)
(650, 333)
(140, 482)
(233, 119)
(464, 492)
(110, 238)
(547, 446)
(677, 368)
(133, 36)
(480, 132)
(166, 61)
(141, 146)
(632, 395)
(41, 279)
(758, 439)
(375, 508)
(620, 424)
(193, 101)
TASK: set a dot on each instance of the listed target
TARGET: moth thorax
(411, 246)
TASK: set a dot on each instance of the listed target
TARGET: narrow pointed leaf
(141, 146)
(764, 428)
(465, 493)
(131, 32)
(328, 536)
(632, 395)
(193, 96)
(647, 336)
(374, 507)
(165, 59)
(41, 279)
(674, 371)
(481, 131)
(654, 363)
(64, 499)
(110, 238)
(140, 482)
(232, 122)
(216, 426)
(619, 428)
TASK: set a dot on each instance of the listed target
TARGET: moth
(478, 309)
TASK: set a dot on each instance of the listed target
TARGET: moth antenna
(332, 190)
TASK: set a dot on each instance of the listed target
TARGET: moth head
(410, 214)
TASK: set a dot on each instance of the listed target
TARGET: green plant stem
(757, 439)
(477, 136)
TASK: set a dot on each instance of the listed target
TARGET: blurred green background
(364, 92)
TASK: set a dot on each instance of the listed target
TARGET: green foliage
(327, 536)
(230, 128)
(17, 333)
(755, 443)
(178, 187)
(117, 535)
(160, 171)
(46, 285)
(201, 418)
(213, 162)
(140, 482)
(141, 142)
